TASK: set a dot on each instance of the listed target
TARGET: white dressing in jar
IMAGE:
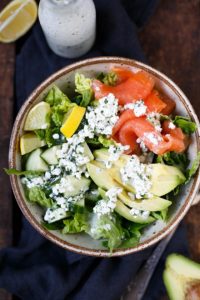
(68, 25)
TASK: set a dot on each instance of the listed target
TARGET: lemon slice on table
(16, 19)
(30, 142)
(37, 117)
(72, 120)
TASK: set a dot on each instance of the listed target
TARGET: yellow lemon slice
(72, 120)
(16, 19)
(30, 142)
(37, 117)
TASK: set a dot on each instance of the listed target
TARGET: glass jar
(68, 25)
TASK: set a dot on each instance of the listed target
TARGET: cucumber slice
(75, 186)
(87, 151)
(49, 155)
(35, 162)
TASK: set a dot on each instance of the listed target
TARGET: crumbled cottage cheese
(53, 215)
(152, 137)
(138, 175)
(142, 145)
(171, 125)
(33, 182)
(154, 118)
(138, 107)
(104, 207)
(71, 156)
(102, 118)
(55, 136)
(115, 151)
(139, 213)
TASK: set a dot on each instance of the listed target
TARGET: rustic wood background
(171, 42)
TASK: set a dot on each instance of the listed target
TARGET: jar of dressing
(68, 25)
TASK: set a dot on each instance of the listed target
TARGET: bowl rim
(14, 141)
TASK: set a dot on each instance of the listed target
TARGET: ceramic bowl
(64, 79)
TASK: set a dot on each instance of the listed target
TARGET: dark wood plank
(7, 58)
(171, 42)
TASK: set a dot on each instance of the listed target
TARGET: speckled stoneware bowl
(64, 79)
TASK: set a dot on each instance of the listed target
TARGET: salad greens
(37, 195)
(185, 124)
(76, 223)
(86, 181)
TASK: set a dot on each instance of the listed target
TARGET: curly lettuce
(37, 195)
(108, 228)
(109, 78)
(77, 223)
(60, 105)
(83, 87)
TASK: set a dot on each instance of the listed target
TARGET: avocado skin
(182, 278)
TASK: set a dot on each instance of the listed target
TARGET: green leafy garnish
(185, 124)
(37, 195)
(20, 173)
(83, 87)
(191, 172)
(77, 223)
(109, 78)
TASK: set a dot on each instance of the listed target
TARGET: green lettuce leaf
(77, 223)
(40, 133)
(132, 234)
(58, 225)
(195, 165)
(99, 141)
(160, 215)
(185, 124)
(109, 78)
(37, 195)
(83, 87)
(178, 160)
(105, 141)
(20, 173)
(60, 105)
(110, 230)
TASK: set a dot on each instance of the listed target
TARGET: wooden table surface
(171, 42)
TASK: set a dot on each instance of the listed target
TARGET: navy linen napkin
(36, 269)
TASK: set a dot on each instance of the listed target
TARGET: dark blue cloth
(36, 269)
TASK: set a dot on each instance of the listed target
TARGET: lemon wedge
(30, 142)
(72, 120)
(37, 117)
(16, 19)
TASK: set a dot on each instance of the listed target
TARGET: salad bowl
(64, 79)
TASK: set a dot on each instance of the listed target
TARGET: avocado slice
(182, 278)
(165, 179)
(103, 179)
(123, 211)
(150, 204)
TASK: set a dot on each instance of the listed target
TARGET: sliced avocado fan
(182, 278)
